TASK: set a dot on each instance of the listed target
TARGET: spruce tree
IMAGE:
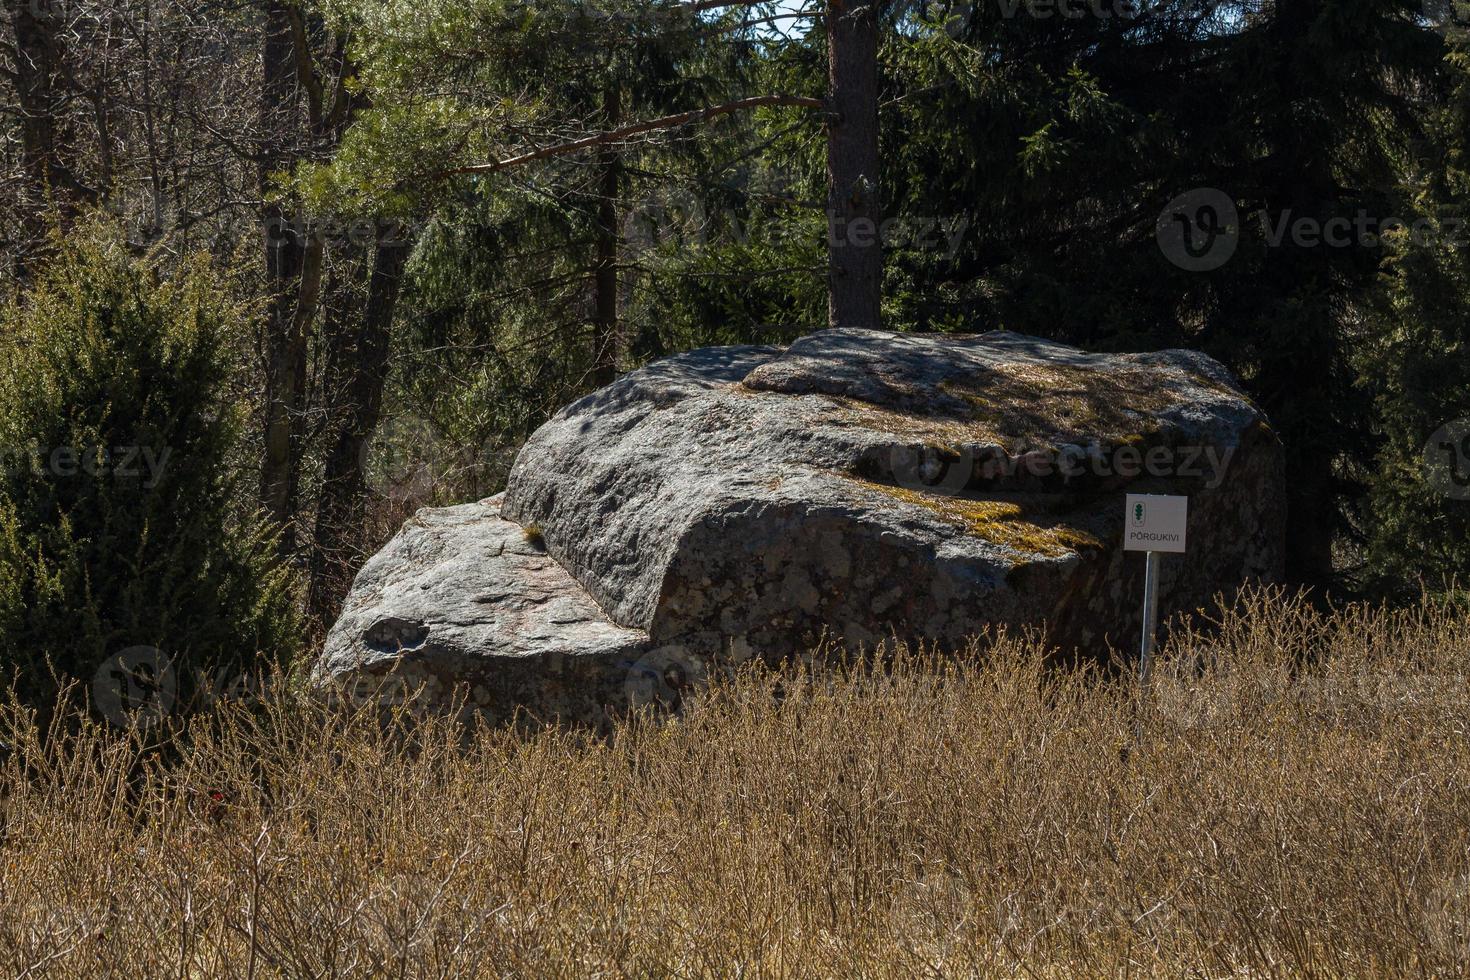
(1416, 357)
(118, 519)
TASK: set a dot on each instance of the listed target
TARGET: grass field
(1293, 798)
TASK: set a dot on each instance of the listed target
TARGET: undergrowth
(1292, 797)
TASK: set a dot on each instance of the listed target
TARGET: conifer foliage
(119, 521)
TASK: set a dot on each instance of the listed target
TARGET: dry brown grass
(1298, 803)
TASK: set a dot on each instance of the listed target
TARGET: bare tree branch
(648, 126)
(342, 99)
(699, 6)
(305, 70)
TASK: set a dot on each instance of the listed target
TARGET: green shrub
(119, 517)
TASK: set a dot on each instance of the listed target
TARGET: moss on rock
(1002, 522)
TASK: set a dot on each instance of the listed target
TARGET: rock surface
(463, 597)
(859, 485)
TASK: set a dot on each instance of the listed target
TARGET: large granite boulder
(854, 487)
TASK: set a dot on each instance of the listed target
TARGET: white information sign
(1155, 523)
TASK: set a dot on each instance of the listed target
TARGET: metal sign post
(1150, 616)
(1153, 524)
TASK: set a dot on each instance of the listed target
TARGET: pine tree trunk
(855, 256)
(46, 153)
(363, 365)
(286, 257)
(1303, 382)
